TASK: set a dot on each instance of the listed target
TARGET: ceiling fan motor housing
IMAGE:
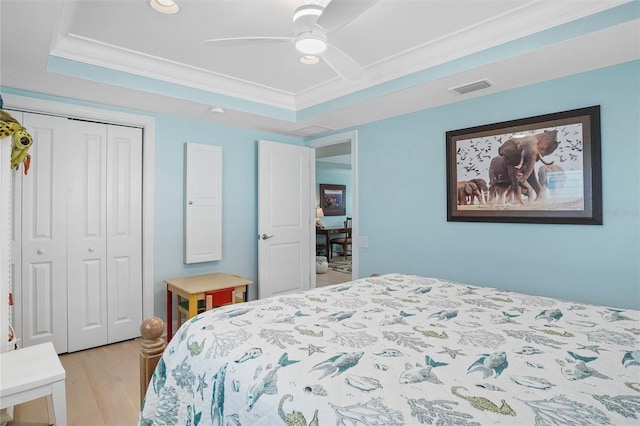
(310, 38)
(312, 11)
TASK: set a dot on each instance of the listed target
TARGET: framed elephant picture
(543, 169)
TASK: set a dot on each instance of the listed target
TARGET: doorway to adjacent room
(336, 163)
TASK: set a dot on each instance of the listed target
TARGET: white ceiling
(123, 53)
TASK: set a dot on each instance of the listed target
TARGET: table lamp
(319, 214)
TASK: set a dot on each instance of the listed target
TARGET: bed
(400, 349)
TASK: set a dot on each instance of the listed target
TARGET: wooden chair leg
(209, 302)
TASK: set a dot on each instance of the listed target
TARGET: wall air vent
(311, 130)
(472, 87)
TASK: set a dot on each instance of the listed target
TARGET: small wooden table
(194, 288)
(328, 232)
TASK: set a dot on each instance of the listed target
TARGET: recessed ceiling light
(165, 6)
(216, 110)
(309, 59)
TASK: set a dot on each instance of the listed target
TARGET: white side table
(33, 372)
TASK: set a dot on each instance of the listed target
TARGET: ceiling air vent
(472, 87)
(311, 130)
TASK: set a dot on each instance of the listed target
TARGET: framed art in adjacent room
(333, 199)
(542, 169)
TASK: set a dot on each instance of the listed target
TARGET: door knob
(40, 251)
(92, 249)
(266, 237)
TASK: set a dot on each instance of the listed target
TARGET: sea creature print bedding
(400, 350)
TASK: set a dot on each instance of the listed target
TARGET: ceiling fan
(312, 25)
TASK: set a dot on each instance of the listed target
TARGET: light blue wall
(402, 198)
(240, 200)
(334, 177)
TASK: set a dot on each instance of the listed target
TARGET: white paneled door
(81, 234)
(104, 282)
(41, 286)
(284, 218)
(87, 239)
(124, 232)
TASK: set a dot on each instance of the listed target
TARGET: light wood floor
(102, 388)
(331, 277)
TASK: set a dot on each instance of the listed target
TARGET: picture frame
(542, 169)
(333, 199)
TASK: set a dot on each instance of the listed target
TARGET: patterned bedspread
(401, 349)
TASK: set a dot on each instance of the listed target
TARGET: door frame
(148, 125)
(349, 136)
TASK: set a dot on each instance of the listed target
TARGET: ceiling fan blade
(338, 13)
(344, 65)
(245, 41)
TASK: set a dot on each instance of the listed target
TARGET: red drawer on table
(221, 297)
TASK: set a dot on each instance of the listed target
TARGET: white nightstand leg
(57, 404)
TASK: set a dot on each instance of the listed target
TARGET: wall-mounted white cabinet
(203, 203)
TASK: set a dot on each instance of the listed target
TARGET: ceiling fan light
(309, 59)
(307, 10)
(310, 45)
(165, 6)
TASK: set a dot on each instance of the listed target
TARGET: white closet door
(124, 232)
(78, 234)
(44, 236)
(87, 242)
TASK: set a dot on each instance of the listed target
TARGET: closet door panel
(86, 219)
(124, 232)
(43, 241)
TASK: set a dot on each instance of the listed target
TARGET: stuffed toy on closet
(21, 140)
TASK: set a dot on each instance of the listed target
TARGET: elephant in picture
(499, 182)
(551, 176)
(482, 188)
(500, 190)
(467, 189)
(521, 155)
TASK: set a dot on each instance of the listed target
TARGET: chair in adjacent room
(344, 241)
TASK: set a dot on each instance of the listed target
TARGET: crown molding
(86, 50)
